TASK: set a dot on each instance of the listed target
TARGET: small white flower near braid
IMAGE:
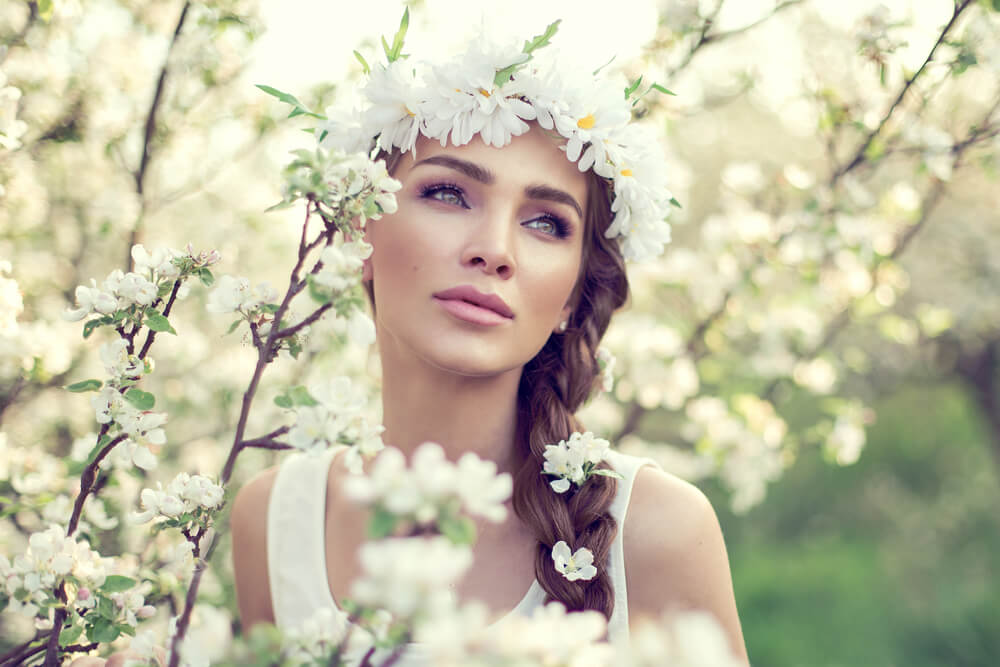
(575, 460)
(576, 565)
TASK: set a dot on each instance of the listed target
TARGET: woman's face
(475, 270)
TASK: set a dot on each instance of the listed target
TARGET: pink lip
(469, 304)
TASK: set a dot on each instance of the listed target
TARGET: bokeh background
(819, 349)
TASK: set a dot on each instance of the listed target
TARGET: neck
(462, 413)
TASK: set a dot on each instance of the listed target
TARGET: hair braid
(553, 385)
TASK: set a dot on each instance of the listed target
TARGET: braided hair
(553, 385)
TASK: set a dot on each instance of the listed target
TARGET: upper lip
(475, 297)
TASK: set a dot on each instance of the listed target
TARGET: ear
(563, 317)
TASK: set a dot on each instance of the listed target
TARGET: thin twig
(859, 155)
(150, 335)
(292, 330)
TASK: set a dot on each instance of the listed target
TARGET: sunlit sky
(311, 41)
(319, 35)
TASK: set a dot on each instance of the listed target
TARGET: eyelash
(560, 226)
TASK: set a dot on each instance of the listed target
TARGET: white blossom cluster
(336, 416)
(185, 494)
(549, 636)
(689, 639)
(143, 428)
(11, 304)
(432, 486)
(410, 576)
(51, 556)
(234, 294)
(357, 188)
(573, 461)
(11, 127)
(456, 100)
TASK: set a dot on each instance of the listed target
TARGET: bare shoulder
(675, 555)
(248, 523)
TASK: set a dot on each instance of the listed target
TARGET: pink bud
(147, 611)
(83, 594)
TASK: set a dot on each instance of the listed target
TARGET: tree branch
(859, 155)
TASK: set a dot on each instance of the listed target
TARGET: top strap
(296, 548)
(627, 466)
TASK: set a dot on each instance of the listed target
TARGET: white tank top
(296, 548)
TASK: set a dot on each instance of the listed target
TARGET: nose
(490, 246)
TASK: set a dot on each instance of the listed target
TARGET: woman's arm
(675, 557)
(248, 522)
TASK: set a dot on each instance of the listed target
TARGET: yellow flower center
(484, 92)
(626, 172)
(586, 122)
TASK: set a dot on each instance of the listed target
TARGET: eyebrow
(487, 177)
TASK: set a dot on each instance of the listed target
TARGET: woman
(492, 286)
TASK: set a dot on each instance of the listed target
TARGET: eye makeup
(451, 193)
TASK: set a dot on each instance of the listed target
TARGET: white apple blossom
(89, 300)
(11, 127)
(117, 360)
(396, 577)
(553, 636)
(688, 639)
(11, 304)
(573, 565)
(184, 494)
(573, 461)
(432, 486)
(234, 294)
(158, 264)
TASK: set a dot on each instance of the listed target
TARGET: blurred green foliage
(892, 561)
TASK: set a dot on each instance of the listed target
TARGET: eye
(549, 224)
(446, 193)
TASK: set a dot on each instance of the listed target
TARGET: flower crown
(492, 90)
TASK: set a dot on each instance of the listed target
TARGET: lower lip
(470, 312)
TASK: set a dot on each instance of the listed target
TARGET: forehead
(533, 158)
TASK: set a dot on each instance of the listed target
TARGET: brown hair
(554, 384)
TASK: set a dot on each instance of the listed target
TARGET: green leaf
(45, 8)
(106, 608)
(85, 385)
(364, 64)
(397, 40)
(270, 307)
(533, 44)
(233, 326)
(538, 41)
(102, 631)
(116, 583)
(158, 322)
(598, 70)
(996, 5)
(634, 86)
(381, 524)
(458, 529)
(101, 444)
(89, 327)
(142, 400)
(206, 277)
(604, 472)
(674, 202)
(657, 87)
(287, 98)
(300, 396)
(283, 401)
(70, 635)
(317, 292)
